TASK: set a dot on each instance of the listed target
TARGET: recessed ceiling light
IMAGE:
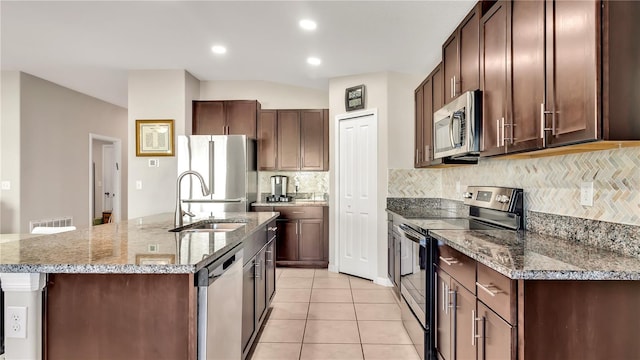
(308, 24)
(314, 61)
(218, 49)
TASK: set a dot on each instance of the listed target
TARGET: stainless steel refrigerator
(229, 167)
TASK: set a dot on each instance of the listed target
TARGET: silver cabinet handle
(502, 128)
(489, 289)
(544, 112)
(426, 152)
(297, 212)
(435, 292)
(449, 261)
(417, 156)
(474, 327)
(451, 304)
(454, 85)
(451, 87)
(257, 269)
(498, 133)
(444, 298)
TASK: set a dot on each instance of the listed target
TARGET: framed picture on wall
(154, 138)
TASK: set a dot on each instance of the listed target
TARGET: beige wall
(270, 95)
(378, 95)
(157, 94)
(55, 123)
(401, 120)
(10, 151)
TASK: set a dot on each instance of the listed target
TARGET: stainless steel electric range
(489, 208)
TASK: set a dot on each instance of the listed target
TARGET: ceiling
(89, 46)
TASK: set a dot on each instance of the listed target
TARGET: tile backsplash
(310, 181)
(551, 184)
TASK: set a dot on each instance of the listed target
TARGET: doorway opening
(104, 179)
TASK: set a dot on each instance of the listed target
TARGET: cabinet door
(270, 259)
(419, 121)
(288, 140)
(469, 46)
(450, 67)
(261, 284)
(208, 118)
(311, 236)
(267, 140)
(312, 147)
(497, 337)
(427, 122)
(495, 120)
(464, 318)
(287, 240)
(248, 303)
(241, 117)
(527, 74)
(444, 333)
(572, 29)
(438, 90)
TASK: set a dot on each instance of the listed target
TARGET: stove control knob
(467, 195)
(502, 199)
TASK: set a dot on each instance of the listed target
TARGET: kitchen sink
(210, 227)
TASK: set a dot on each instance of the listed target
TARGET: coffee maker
(279, 189)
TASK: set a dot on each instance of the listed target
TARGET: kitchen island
(501, 294)
(116, 291)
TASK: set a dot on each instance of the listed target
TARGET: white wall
(10, 151)
(157, 94)
(401, 120)
(55, 123)
(270, 95)
(376, 96)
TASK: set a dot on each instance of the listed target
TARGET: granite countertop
(143, 246)
(293, 203)
(527, 255)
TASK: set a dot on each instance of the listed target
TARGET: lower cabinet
(259, 283)
(496, 334)
(303, 235)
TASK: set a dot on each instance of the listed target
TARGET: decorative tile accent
(551, 184)
(415, 183)
(310, 181)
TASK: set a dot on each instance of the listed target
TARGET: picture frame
(354, 98)
(155, 259)
(155, 138)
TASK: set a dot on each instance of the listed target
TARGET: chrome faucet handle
(188, 213)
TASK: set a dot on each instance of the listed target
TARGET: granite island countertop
(530, 256)
(292, 203)
(136, 246)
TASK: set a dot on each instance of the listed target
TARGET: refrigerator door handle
(212, 166)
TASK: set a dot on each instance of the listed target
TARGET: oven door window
(414, 271)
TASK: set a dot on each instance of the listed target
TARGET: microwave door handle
(453, 145)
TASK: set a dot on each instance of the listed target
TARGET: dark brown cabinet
(443, 319)
(294, 140)
(248, 304)
(428, 99)
(267, 143)
(496, 335)
(569, 79)
(461, 56)
(303, 235)
(226, 117)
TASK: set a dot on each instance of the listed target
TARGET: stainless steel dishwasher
(220, 308)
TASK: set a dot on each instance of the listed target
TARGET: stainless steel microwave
(457, 127)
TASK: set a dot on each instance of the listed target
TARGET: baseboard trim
(383, 281)
(333, 268)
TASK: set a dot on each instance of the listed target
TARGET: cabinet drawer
(459, 266)
(299, 212)
(498, 292)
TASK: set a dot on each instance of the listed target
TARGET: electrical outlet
(138, 184)
(16, 322)
(586, 193)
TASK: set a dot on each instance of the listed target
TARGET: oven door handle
(410, 234)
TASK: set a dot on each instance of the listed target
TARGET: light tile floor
(317, 314)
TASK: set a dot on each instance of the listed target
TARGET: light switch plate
(138, 184)
(6, 185)
(154, 163)
(586, 193)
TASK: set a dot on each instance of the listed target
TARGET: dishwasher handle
(210, 273)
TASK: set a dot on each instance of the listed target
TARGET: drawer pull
(449, 261)
(489, 289)
(297, 212)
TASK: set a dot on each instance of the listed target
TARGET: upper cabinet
(228, 117)
(570, 74)
(461, 56)
(294, 140)
(428, 99)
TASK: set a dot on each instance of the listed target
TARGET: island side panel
(562, 319)
(120, 316)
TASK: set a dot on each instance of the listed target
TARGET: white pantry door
(357, 158)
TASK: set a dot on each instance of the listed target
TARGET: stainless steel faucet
(179, 212)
